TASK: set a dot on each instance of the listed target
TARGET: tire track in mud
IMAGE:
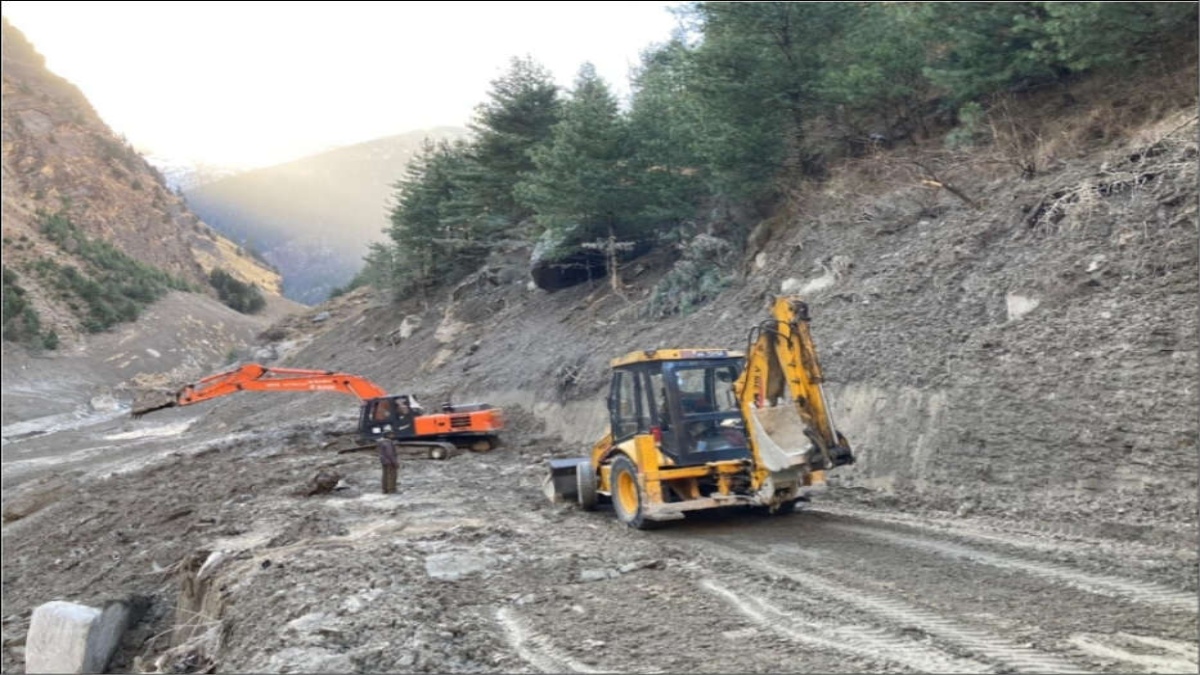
(537, 650)
(871, 643)
(982, 643)
(1174, 657)
(1036, 536)
(1131, 589)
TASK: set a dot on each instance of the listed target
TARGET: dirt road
(469, 569)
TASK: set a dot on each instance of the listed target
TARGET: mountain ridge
(313, 218)
(92, 236)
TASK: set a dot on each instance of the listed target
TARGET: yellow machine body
(698, 429)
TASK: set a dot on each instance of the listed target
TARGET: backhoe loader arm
(781, 361)
(254, 377)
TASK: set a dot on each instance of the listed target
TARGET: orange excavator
(440, 434)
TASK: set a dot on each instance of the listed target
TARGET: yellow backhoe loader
(697, 429)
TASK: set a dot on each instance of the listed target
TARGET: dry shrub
(1040, 131)
(1023, 136)
(1158, 158)
(696, 278)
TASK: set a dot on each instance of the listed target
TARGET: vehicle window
(383, 411)
(726, 398)
(650, 404)
(707, 389)
(625, 406)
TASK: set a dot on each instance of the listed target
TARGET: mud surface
(469, 569)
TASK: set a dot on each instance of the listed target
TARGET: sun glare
(253, 83)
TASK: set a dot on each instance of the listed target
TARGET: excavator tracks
(437, 450)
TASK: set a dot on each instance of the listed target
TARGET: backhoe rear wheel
(627, 498)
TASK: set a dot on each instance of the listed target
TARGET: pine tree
(522, 106)
(665, 132)
(581, 187)
(872, 79)
(757, 69)
(432, 243)
(976, 49)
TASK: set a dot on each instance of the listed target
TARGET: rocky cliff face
(61, 160)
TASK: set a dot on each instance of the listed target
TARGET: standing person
(389, 462)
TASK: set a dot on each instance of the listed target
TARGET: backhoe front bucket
(560, 484)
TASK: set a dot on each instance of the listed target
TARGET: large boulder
(559, 259)
(65, 637)
(570, 270)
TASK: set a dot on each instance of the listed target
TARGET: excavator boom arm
(255, 377)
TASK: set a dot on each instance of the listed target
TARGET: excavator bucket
(150, 407)
(560, 483)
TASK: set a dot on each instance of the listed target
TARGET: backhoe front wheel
(585, 485)
(627, 498)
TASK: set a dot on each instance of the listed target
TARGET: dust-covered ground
(470, 569)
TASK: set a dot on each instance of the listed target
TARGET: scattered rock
(313, 622)
(1019, 305)
(33, 497)
(408, 325)
(104, 403)
(310, 660)
(323, 483)
(454, 565)
(790, 285)
(597, 574)
(191, 657)
(640, 565)
(265, 353)
(740, 634)
(211, 564)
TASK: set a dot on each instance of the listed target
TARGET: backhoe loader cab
(695, 429)
(687, 405)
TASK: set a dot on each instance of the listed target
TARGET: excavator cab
(394, 414)
(689, 406)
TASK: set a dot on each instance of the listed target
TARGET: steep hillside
(313, 218)
(1028, 347)
(78, 203)
(106, 272)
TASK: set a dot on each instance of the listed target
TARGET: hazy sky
(249, 83)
